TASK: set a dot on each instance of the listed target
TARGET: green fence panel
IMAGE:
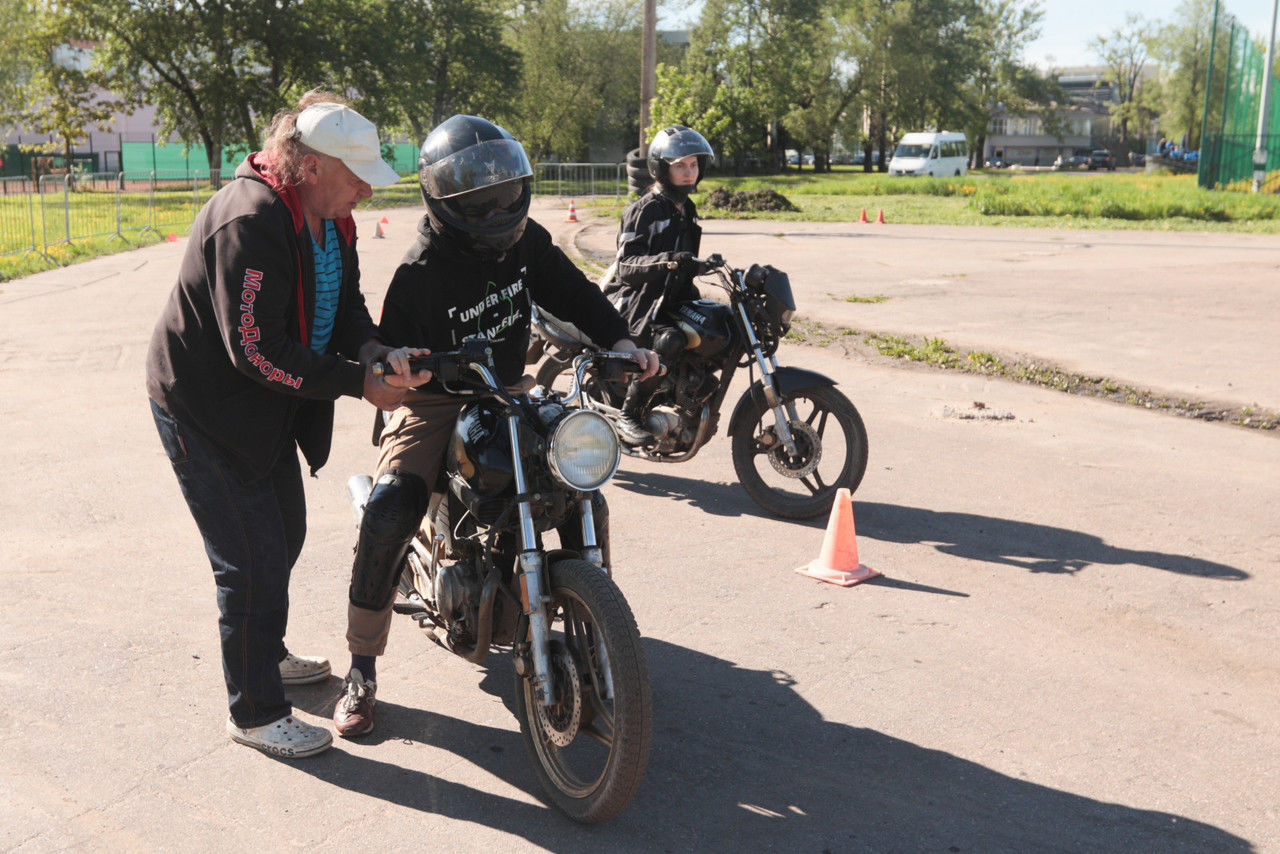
(1235, 98)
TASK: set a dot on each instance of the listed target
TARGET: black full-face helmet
(673, 143)
(475, 181)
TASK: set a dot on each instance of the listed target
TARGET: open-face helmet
(475, 180)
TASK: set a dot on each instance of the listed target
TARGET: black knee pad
(391, 518)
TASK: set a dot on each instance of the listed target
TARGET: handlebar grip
(416, 363)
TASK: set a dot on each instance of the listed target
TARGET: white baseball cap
(341, 132)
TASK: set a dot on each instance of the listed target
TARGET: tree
(824, 85)
(215, 72)
(63, 93)
(1124, 52)
(17, 63)
(1182, 49)
(1002, 81)
(753, 70)
(572, 83)
(448, 57)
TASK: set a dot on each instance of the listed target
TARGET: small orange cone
(573, 216)
(172, 238)
(880, 217)
(378, 231)
(385, 221)
(838, 562)
(863, 218)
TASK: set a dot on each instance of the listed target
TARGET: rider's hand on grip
(686, 263)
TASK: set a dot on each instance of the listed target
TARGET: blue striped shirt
(328, 285)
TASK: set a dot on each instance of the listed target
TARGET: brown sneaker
(353, 715)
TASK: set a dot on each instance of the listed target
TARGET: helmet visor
(478, 206)
(484, 164)
(682, 143)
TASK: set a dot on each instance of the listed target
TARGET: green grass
(937, 353)
(1038, 200)
(1110, 200)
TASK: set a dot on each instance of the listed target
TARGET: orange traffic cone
(838, 562)
(863, 218)
(377, 232)
(385, 221)
(880, 217)
(172, 238)
(573, 216)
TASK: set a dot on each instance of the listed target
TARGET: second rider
(658, 242)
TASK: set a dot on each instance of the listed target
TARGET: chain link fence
(39, 216)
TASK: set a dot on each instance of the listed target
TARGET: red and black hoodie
(229, 357)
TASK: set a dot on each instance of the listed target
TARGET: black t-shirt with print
(439, 295)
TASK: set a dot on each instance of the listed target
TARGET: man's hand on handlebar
(386, 390)
(646, 359)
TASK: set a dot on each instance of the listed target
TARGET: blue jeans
(253, 533)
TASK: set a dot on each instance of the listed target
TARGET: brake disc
(560, 722)
(808, 443)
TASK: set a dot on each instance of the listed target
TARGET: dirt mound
(742, 201)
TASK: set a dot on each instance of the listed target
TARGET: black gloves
(687, 264)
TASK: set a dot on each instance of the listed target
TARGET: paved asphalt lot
(1074, 647)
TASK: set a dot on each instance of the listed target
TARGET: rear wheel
(591, 745)
(831, 452)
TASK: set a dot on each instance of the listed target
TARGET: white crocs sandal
(288, 737)
(303, 669)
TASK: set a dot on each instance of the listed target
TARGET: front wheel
(831, 452)
(590, 747)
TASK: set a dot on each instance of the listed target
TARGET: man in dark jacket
(658, 242)
(265, 328)
(476, 265)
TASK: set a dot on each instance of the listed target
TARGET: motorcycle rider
(658, 242)
(477, 263)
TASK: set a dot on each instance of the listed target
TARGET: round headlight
(584, 450)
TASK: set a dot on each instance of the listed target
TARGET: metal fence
(40, 216)
(1236, 87)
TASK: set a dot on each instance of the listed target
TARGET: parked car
(1071, 161)
(1101, 159)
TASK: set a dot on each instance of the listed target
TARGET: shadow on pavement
(741, 761)
(1037, 548)
(718, 499)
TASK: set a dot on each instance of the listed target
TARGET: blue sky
(1067, 26)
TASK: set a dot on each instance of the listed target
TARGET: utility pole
(648, 69)
(1264, 112)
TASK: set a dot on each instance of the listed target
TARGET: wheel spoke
(815, 485)
(822, 422)
(595, 733)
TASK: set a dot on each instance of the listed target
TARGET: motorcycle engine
(457, 596)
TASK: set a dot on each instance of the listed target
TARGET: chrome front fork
(783, 414)
(532, 565)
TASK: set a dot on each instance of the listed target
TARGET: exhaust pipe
(359, 486)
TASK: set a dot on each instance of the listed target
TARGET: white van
(931, 153)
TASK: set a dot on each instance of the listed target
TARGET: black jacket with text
(229, 356)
